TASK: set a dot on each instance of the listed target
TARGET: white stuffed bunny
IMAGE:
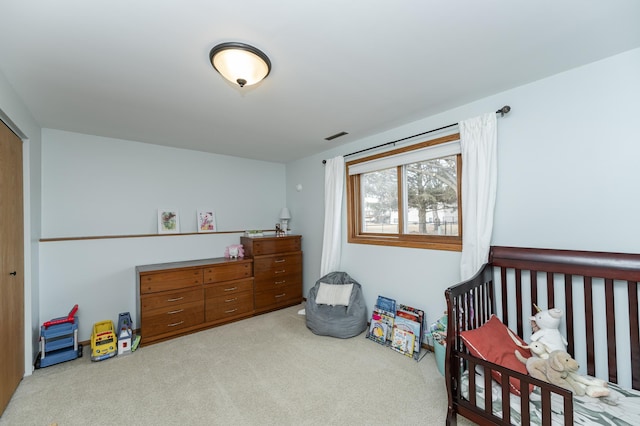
(548, 333)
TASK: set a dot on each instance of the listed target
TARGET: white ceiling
(139, 70)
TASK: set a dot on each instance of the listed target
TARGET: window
(408, 197)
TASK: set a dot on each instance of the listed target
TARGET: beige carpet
(267, 370)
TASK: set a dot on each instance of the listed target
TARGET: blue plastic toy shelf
(59, 340)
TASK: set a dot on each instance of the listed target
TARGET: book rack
(398, 327)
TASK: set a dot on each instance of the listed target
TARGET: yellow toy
(103, 341)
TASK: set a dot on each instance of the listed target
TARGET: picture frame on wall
(168, 221)
(206, 221)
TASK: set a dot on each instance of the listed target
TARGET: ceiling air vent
(337, 135)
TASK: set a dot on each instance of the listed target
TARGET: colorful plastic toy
(104, 343)
(125, 333)
(59, 340)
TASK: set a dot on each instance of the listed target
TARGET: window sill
(437, 243)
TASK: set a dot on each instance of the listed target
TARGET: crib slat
(504, 292)
(488, 401)
(551, 297)
(546, 407)
(506, 408)
(568, 291)
(518, 273)
(525, 415)
(568, 411)
(632, 290)
(611, 330)
(491, 291)
(472, 384)
(534, 289)
(479, 305)
(588, 316)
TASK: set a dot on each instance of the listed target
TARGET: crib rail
(484, 413)
(598, 293)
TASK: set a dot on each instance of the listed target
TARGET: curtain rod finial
(504, 110)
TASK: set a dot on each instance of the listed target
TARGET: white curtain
(478, 143)
(333, 189)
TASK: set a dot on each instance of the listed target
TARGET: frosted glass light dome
(240, 63)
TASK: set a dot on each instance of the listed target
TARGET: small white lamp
(284, 219)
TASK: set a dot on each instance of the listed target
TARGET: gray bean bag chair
(337, 320)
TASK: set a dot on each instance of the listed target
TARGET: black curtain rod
(502, 111)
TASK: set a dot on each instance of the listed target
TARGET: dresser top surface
(270, 237)
(190, 264)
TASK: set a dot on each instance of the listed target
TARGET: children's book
(411, 319)
(382, 320)
(386, 304)
(385, 319)
(403, 341)
(418, 312)
(378, 330)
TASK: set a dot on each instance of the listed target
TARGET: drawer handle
(280, 261)
(280, 295)
(231, 300)
(175, 299)
(280, 282)
(281, 271)
(231, 289)
(231, 311)
(175, 312)
(175, 323)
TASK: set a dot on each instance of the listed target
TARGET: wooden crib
(598, 293)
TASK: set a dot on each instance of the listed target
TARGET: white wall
(19, 118)
(95, 186)
(567, 171)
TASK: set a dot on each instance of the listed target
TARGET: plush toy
(548, 333)
(537, 349)
(562, 370)
(557, 370)
(592, 387)
(234, 251)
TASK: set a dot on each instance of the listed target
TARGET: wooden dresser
(277, 270)
(182, 297)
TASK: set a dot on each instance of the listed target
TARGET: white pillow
(334, 294)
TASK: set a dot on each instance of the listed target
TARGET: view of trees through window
(429, 204)
(380, 201)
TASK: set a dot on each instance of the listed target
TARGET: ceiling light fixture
(240, 63)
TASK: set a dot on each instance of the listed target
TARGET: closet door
(11, 265)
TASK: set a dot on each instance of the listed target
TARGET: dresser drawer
(228, 272)
(231, 287)
(170, 299)
(183, 316)
(277, 261)
(279, 282)
(270, 245)
(287, 295)
(277, 265)
(154, 282)
(229, 306)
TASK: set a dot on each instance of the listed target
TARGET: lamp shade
(240, 63)
(284, 213)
